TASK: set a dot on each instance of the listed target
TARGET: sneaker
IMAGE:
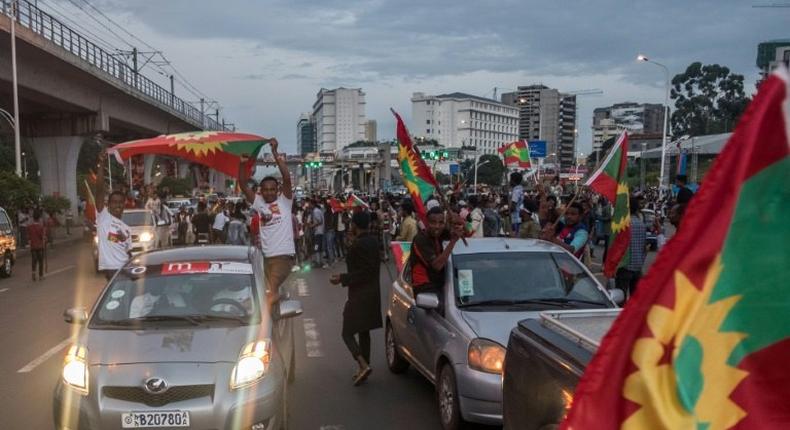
(362, 375)
(295, 268)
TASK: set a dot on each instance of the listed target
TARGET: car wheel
(7, 268)
(395, 362)
(449, 407)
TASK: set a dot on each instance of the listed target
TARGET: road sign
(455, 169)
(537, 149)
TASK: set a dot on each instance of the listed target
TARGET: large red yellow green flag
(705, 341)
(516, 153)
(610, 181)
(417, 177)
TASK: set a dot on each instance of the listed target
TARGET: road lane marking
(312, 339)
(62, 269)
(301, 287)
(3, 290)
(45, 356)
(332, 427)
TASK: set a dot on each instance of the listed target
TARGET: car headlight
(486, 356)
(75, 368)
(146, 237)
(252, 365)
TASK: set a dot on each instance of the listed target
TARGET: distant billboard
(537, 148)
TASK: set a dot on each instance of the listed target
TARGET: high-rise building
(637, 118)
(305, 134)
(771, 54)
(546, 114)
(370, 130)
(339, 118)
(457, 119)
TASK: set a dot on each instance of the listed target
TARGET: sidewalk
(60, 238)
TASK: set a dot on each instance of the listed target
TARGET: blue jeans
(329, 246)
(318, 246)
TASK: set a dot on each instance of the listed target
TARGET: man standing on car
(276, 232)
(362, 311)
(114, 237)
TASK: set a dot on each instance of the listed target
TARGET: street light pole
(666, 119)
(17, 139)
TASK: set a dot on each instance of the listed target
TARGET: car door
(433, 330)
(401, 313)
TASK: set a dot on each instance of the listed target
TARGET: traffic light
(313, 164)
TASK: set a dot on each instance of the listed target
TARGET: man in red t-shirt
(428, 254)
(38, 241)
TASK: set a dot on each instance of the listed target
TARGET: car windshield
(516, 278)
(185, 293)
(134, 219)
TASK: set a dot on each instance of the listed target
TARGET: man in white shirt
(218, 229)
(273, 203)
(114, 237)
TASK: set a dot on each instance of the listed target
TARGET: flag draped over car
(219, 150)
(705, 341)
(609, 180)
(417, 177)
(516, 153)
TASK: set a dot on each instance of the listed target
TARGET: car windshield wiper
(552, 301)
(158, 318)
(207, 318)
(511, 303)
(567, 300)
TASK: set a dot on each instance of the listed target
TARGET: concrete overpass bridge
(70, 89)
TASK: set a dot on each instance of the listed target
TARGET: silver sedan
(457, 339)
(179, 339)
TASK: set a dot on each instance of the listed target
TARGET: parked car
(458, 341)
(179, 339)
(7, 245)
(546, 357)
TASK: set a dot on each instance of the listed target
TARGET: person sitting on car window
(429, 256)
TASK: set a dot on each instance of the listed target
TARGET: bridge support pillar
(57, 161)
(148, 163)
(183, 168)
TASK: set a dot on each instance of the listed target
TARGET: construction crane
(499, 88)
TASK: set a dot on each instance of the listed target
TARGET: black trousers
(38, 261)
(626, 280)
(358, 343)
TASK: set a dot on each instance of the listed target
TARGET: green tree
(17, 192)
(709, 99)
(491, 172)
(55, 204)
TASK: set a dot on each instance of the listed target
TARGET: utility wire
(56, 12)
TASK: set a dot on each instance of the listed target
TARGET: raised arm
(286, 186)
(243, 179)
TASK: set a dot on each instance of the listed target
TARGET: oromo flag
(705, 341)
(516, 153)
(416, 175)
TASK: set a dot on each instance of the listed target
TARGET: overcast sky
(264, 61)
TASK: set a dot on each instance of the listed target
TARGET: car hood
(193, 345)
(496, 326)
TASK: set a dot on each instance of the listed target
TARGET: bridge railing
(51, 29)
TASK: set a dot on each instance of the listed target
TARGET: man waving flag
(705, 341)
(609, 181)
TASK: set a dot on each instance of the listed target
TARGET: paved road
(34, 338)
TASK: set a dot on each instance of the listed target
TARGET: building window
(428, 131)
(427, 121)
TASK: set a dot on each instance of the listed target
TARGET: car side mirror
(427, 301)
(289, 309)
(75, 315)
(617, 295)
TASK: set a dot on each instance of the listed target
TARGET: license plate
(136, 420)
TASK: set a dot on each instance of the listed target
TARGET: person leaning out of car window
(429, 256)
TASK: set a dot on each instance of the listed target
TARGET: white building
(339, 118)
(458, 119)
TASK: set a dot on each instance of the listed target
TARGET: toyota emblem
(155, 385)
